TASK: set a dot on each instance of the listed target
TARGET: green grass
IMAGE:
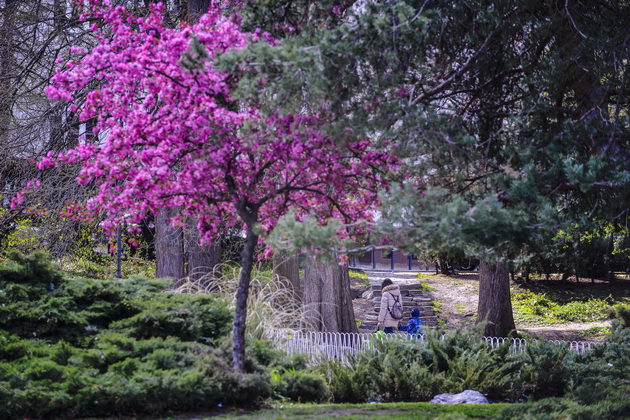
(437, 306)
(359, 275)
(539, 308)
(421, 411)
(595, 332)
(426, 287)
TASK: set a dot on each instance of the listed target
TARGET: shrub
(299, 385)
(410, 370)
(621, 313)
(188, 317)
(123, 376)
(544, 369)
(38, 301)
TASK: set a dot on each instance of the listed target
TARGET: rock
(466, 397)
(356, 293)
(367, 294)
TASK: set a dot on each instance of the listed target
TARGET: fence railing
(339, 346)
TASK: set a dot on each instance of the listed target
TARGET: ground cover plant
(545, 303)
(418, 370)
(77, 347)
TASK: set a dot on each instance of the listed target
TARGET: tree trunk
(610, 271)
(169, 247)
(8, 69)
(203, 260)
(443, 265)
(495, 305)
(192, 9)
(286, 266)
(327, 301)
(242, 293)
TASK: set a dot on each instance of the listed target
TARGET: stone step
(407, 299)
(407, 309)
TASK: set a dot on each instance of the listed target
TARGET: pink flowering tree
(171, 136)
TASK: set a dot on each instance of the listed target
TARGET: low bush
(37, 301)
(399, 370)
(414, 370)
(124, 376)
(72, 347)
(300, 385)
(621, 312)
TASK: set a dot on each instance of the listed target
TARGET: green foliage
(424, 286)
(359, 275)
(372, 411)
(399, 370)
(300, 385)
(622, 313)
(544, 371)
(541, 308)
(614, 406)
(38, 301)
(122, 375)
(188, 317)
(124, 347)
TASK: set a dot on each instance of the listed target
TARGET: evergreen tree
(511, 117)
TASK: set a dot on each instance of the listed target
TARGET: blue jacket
(413, 327)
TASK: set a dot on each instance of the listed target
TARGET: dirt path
(455, 301)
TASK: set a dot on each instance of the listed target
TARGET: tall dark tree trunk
(495, 304)
(242, 293)
(203, 260)
(169, 247)
(286, 266)
(608, 261)
(327, 301)
(192, 9)
(8, 69)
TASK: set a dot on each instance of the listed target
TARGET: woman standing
(390, 295)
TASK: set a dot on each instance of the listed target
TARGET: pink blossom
(175, 139)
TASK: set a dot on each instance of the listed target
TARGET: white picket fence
(328, 345)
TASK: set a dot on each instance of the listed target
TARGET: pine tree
(511, 118)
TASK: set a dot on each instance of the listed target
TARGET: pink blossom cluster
(173, 137)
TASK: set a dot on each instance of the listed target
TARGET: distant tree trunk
(546, 269)
(286, 266)
(8, 68)
(203, 260)
(169, 247)
(608, 261)
(327, 301)
(192, 9)
(443, 266)
(495, 305)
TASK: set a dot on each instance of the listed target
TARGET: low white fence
(328, 345)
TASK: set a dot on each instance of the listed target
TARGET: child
(414, 326)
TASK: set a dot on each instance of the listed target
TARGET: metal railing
(339, 346)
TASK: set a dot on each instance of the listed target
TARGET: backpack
(396, 310)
